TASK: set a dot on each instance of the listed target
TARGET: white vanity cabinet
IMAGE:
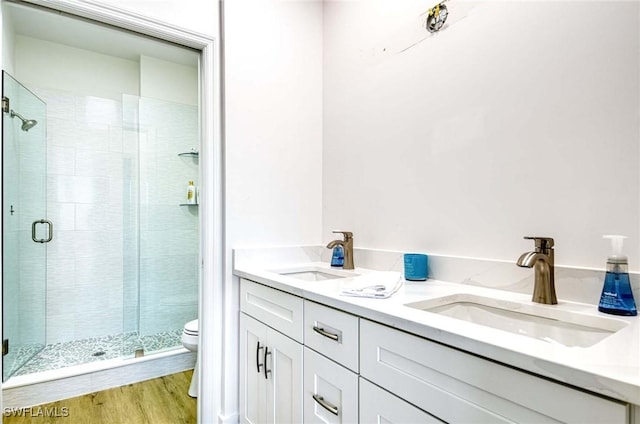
(305, 362)
(330, 365)
(270, 360)
(456, 386)
(379, 406)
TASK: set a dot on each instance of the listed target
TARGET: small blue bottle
(617, 297)
(337, 257)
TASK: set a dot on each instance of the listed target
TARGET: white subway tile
(61, 160)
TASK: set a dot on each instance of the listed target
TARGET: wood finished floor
(162, 400)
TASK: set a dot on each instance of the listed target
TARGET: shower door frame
(211, 304)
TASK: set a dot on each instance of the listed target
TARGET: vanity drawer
(279, 310)
(459, 387)
(331, 332)
(380, 406)
(330, 391)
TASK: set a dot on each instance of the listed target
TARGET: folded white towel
(378, 284)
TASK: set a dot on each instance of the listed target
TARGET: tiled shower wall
(169, 247)
(115, 261)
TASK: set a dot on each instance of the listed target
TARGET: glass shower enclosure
(119, 276)
(26, 231)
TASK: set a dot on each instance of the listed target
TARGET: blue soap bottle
(337, 257)
(617, 297)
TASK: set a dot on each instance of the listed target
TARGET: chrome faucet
(542, 262)
(347, 245)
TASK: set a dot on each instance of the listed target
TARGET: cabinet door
(284, 371)
(330, 391)
(253, 385)
(380, 406)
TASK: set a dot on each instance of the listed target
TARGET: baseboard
(228, 419)
(88, 381)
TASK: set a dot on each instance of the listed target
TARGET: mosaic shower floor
(77, 352)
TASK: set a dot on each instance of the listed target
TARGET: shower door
(25, 230)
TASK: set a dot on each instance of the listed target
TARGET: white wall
(74, 70)
(195, 15)
(174, 82)
(273, 135)
(8, 50)
(520, 119)
(273, 92)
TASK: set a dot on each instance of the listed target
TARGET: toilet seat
(190, 335)
(191, 328)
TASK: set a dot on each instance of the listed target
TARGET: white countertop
(610, 367)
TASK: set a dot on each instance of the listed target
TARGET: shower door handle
(33, 231)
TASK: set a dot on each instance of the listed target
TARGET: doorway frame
(211, 176)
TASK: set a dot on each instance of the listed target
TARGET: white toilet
(190, 342)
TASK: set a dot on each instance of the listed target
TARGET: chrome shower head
(27, 124)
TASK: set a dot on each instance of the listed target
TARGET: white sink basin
(314, 273)
(547, 323)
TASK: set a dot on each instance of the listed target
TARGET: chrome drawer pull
(266, 371)
(326, 405)
(258, 349)
(325, 333)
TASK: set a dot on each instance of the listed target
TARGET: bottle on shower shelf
(191, 193)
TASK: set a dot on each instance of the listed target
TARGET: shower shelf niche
(194, 153)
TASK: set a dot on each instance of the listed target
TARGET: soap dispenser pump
(617, 297)
(337, 256)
